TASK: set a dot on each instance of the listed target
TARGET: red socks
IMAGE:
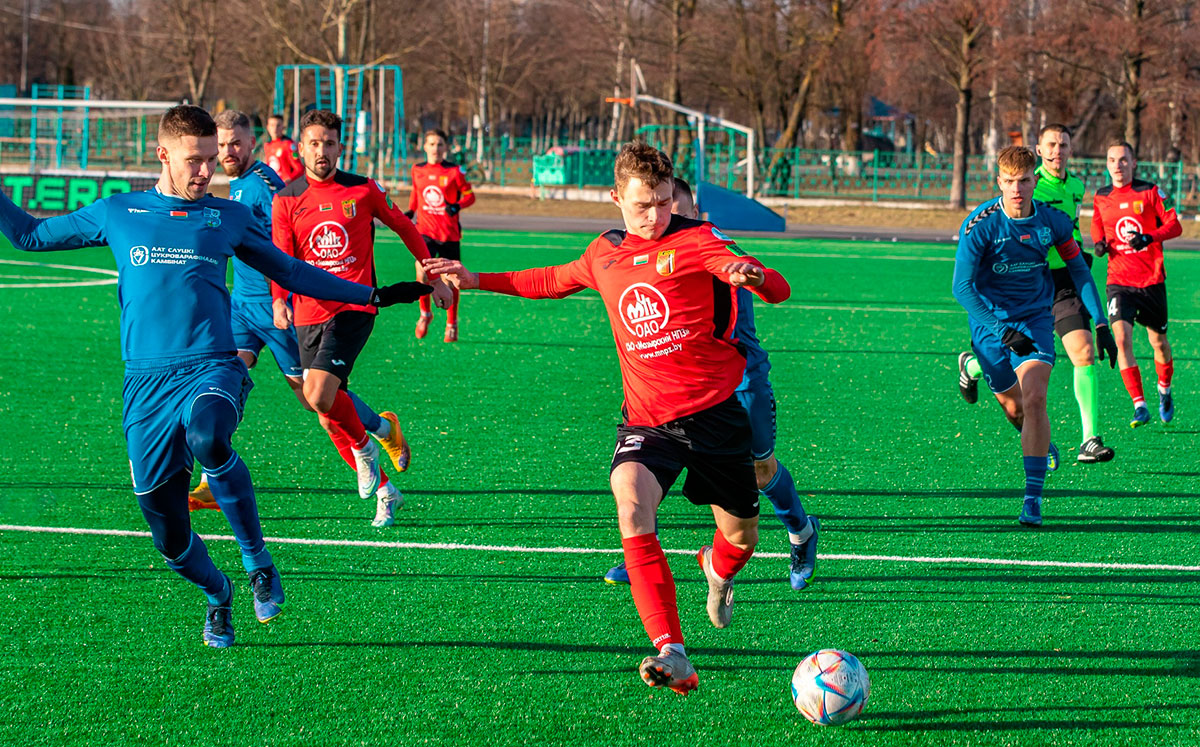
(346, 430)
(1132, 377)
(452, 312)
(727, 558)
(425, 304)
(653, 589)
(1165, 372)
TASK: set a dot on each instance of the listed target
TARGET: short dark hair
(436, 131)
(682, 189)
(231, 118)
(1054, 127)
(183, 120)
(322, 118)
(275, 115)
(637, 159)
(1116, 141)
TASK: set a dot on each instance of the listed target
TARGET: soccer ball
(830, 687)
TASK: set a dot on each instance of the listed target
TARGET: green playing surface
(429, 641)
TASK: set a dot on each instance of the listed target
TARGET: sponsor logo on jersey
(212, 217)
(1127, 226)
(433, 196)
(1014, 268)
(348, 208)
(327, 207)
(608, 264)
(644, 310)
(139, 255)
(329, 240)
(641, 259)
(137, 210)
(666, 262)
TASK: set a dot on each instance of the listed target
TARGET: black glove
(452, 208)
(1017, 342)
(390, 295)
(1101, 248)
(410, 214)
(1105, 344)
(1140, 240)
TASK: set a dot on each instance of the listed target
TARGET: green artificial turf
(512, 431)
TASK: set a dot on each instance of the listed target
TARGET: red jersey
(331, 225)
(1119, 213)
(434, 187)
(671, 311)
(281, 156)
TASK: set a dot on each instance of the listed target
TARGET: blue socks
(781, 491)
(370, 419)
(231, 487)
(195, 565)
(1035, 475)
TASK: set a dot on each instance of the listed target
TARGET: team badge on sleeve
(348, 208)
(666, 262)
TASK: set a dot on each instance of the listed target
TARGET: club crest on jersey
(644, 310)
(442, 181)
(1138, 206)
(329, 240)
(212, 217)
(348, 208)
(666, 262)
(139, 255)
(1044, 235)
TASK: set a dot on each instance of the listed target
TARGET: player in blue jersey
(1002, 279)
(758, 399)
(254, 184)
(185, 388)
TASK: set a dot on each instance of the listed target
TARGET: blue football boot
(1031, 512)
(1166, 407)
(1052, 458)
(268, 593)
(617, 574)
(804, 557)
(1141, 416)
(218, 622)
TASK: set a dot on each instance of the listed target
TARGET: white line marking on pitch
(599, 551)
(110, 280)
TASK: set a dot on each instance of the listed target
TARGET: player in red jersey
(279, 152)
(327, 218)
(439, 191)
(1131, 218)
(668, 284)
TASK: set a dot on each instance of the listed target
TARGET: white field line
(111, 278)
(521, 549)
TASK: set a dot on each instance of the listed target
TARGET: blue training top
(1000, 268)
(171, 256)
(255, 189)
(757, 364)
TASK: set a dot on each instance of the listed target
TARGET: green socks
(1087, 393)
(973, 369)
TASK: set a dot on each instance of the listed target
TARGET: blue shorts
(759, 402)
(158, 408)
(1000, 364)
(254, 327)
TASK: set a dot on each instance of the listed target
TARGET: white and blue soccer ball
(830, 687)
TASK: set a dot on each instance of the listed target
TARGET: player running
(439, 192)
(254, 184)
(1002, 279)
(327, 218)
(185, 389)
(1060, 189)
(1131, 218)
(280, 151)
(668, 284)
(758, 399)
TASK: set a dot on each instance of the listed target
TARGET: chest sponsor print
(1127, 226)
(329, 240)
(433, 196)
(644, 310)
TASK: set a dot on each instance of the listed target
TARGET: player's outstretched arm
(556, 281)
(84, 227)
(764, 282)
(452, 271)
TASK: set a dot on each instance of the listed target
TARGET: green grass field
(512, 431)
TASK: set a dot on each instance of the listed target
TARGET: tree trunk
(962, 118)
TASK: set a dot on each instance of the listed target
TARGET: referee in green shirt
(1062, 190)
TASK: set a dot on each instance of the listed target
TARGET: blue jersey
(255, 189)
(171, 257)
(757, 364)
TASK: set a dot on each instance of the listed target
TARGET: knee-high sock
(653, 589)
(1035, 475)
(727, 558)
(195, 565)
(231, 487)
(426, 305)
(1165, 372)
(369, 418)
(974, 370)
(1087, 394)
(781, 491)
(452, 311)
(344, 420)
(1132, 377)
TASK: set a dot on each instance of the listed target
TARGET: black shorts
(443, 249)
(1069, 312)
(714, 445)
(334, 345)
(1146, 306)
